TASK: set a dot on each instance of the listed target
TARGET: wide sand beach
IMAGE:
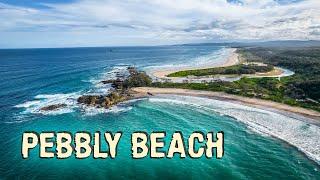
(253, 102)
(232, 59)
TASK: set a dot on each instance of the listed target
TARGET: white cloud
(170, 20)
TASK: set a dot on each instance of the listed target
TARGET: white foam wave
(296, 132)
(70, 99)
(114, 73)
(108, 75)
(28, 104)
(92, 111)
(43, 100)
(213, 59)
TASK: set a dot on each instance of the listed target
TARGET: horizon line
(158, 45)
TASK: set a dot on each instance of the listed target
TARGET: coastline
(253, 102)
(233, 59)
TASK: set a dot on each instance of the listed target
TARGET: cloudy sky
(62, 23)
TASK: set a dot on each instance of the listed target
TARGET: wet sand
(253, 102)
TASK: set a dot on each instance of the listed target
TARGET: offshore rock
(102, 101)
(53, 107)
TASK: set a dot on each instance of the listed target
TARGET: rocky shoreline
(101, 101)
(120, 92)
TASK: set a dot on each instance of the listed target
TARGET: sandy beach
(253, 102)
(233, 59)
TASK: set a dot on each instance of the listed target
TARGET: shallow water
(31, 79)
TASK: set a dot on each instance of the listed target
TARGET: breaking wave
(213, 59)
(297, 132)
(43, 100)
(100, 88)
(70, 99)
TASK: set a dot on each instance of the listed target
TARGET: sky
(83, 23)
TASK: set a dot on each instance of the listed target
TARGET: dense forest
(305, 62)
(301, 89)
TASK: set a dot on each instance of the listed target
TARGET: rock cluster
(53, 107)
(105, 101)
(120, 92)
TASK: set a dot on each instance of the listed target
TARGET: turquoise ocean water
(259, 144)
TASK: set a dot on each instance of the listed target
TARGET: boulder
(53, 107)
(102, 101)
(107, 81)
(88, 99)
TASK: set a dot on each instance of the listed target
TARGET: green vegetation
(302, 89)
(305, 62)
(236, 69)
(137, 79)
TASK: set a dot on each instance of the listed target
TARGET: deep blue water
(32, 78)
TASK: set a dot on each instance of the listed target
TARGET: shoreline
(312, 115)
(233, 59)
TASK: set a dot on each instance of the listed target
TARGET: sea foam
(70, 99)
(297, 132)
(213, 59)
(44, 100)
(101, 88)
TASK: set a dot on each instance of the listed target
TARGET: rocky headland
(120, 91)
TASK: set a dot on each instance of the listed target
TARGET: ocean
(259, 144)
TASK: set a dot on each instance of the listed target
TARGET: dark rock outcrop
(101, 100)
(53, 107)
(107, 81)
(118, 84)
(121, 91)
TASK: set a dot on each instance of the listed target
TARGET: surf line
(62, 145)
